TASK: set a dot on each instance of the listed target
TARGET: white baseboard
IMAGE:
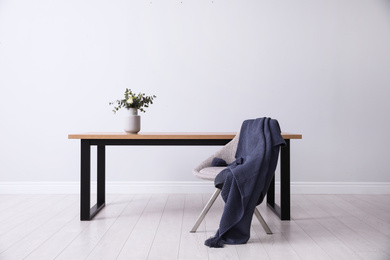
(339, 187)
(189, 187)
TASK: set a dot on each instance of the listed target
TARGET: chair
(205, 171)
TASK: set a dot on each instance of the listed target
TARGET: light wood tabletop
(166, 135)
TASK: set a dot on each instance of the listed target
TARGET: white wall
(322, 68)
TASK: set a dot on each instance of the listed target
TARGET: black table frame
(88, 213)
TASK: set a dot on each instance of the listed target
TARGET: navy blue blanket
(245, 182)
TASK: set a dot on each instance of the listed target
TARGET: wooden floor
(157, 227)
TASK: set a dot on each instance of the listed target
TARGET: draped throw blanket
(245, 182)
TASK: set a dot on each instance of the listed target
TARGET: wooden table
(101, 140)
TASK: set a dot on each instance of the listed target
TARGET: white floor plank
(115, 238)
(154, 226)
(254, 248)
(356, 234)
(319, 226)
(11, 205)
(25, 209)
(86, 241)
(370, 205)
(141, 238)
(52, 247)
(22, 248)
(33, 222)
(302, 244)
(377, 201)
(369, 218)
(276, 246)
(166, 242)
(192, 244)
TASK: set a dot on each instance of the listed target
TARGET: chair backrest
(227, 153)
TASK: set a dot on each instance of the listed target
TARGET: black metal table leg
(285, 182)
(101, 175)
(284, 210)
(87, 213)
(85, 180)
(271, 193)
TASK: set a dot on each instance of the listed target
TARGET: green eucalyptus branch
(133, 100)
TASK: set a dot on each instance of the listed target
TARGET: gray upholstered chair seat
(205, 170)
(209, 173)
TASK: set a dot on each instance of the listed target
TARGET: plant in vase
(132, 103)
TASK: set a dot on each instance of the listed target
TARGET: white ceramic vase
(132, 123)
